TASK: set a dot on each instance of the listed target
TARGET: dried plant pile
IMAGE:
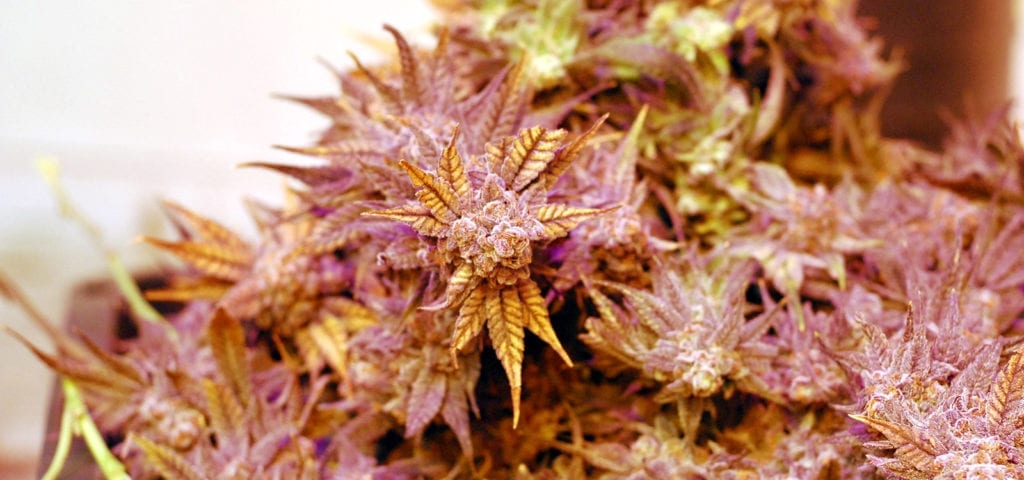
(725, 270)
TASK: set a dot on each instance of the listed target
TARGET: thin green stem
(109, 464)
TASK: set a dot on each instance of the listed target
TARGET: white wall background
(146, 100)
(141, 101)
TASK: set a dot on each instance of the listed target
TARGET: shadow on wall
(958, 59)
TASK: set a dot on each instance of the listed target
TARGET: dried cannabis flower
(695, 196)
(484, 223)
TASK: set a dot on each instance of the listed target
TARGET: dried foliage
(726, 270)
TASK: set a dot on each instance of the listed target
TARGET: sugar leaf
(415, 216)
(434, 194)
(505, 320)
(1006, 394)
(165, 460)
(227, 341)
(558, 220)
(471, 319)
(537, 319)
(531, 152)
(425, 399)
(451, 169)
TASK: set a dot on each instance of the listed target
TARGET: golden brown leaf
(183, 289)
(1007, 390)
(461, 281)
(412, 91)
(331, 341)
(208, 247)
(435, 194)
(537, 319)
(470, 321)
(559, 219)
(210, 259)
(531, 152)
(227, 341)
(225, 413)
(205, 229)
(86, 374)
(165, 460)
(451, 168)
(415, 216)
(566, 154)
(505, 321)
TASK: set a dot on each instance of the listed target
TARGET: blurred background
(147, 100)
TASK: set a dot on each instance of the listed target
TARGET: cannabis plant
(725, 269)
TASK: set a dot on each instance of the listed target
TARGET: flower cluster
(725, 269)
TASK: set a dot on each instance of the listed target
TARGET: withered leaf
(536, 317)
(455, 411)
(414, 215)
(215, 251)
(166, 460)
(435, 194)
(1006, 395)
(451, 168)
(529, 154)
(505, 326)
(225, 413)
(558, 220)
(471, 319)
(566, 154)
(425, 399)
(227, 341)
(412, 91)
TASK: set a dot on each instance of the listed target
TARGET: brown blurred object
(957, 55)
(16, 468)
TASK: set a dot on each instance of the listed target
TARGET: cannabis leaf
(219, 256)
(484, 221)
(689, 334)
